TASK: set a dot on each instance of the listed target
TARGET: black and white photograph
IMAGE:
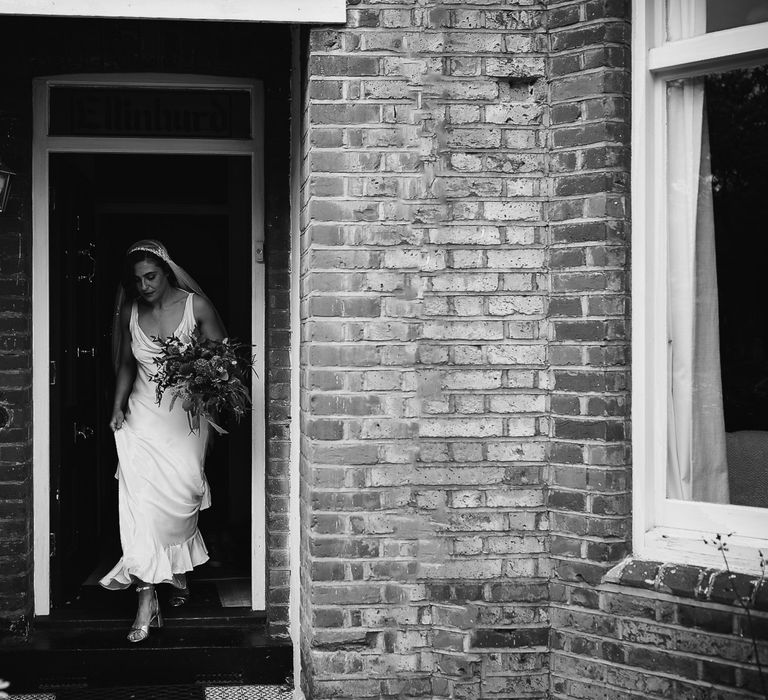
(383, 349)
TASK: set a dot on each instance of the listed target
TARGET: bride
(161, 479)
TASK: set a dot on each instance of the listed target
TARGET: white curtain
(697, 467)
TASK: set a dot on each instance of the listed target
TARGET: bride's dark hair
(137, 256)
(154, 252)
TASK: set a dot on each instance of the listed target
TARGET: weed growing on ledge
(745, 601)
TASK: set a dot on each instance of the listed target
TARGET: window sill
(688, 547)
(695, 581)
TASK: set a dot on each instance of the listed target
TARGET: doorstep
(200, 649)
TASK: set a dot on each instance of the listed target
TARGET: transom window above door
(155, 112)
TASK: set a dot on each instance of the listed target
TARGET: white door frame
(43, 146)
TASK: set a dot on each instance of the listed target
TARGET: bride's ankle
(144, 590)
(146, 597)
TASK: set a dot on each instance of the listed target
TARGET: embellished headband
(160, 252)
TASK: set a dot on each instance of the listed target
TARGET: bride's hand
(116, 422)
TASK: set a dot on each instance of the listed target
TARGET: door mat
(234, 593)
(248, 692)
(159, 692)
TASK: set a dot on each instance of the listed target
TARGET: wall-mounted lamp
(6, 174)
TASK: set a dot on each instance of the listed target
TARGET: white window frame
(666, 529)
(322, 11)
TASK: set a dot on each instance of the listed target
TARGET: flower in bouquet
(207, 376)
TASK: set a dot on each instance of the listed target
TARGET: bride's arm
(126, 372)
(207, 319)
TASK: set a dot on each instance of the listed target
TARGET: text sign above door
(323, 11)
(150, 112)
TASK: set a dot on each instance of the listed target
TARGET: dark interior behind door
(200, 208)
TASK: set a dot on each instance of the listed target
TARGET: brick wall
(661, 631)
(425, 369)
(589, 495)
(277, 254)
(465, 367)
(15, 369)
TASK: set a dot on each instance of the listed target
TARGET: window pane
(717, 144)
(726, 14)
(687, 18)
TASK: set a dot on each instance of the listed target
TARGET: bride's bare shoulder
(202, 307)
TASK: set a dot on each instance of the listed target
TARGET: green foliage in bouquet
(206, 375)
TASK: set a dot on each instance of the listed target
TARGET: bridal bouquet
(206, 375)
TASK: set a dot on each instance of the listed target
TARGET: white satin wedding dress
(162, 484)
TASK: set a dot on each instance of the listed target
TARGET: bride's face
(151, 281)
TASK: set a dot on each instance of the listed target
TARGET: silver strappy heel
(179, 597)
(140, 633)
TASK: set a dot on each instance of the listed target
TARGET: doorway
(199, 207)
(118, 159)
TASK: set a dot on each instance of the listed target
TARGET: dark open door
(76, 399)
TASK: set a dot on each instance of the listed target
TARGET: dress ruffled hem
(166, 565)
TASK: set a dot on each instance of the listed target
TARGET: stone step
(66, 656)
